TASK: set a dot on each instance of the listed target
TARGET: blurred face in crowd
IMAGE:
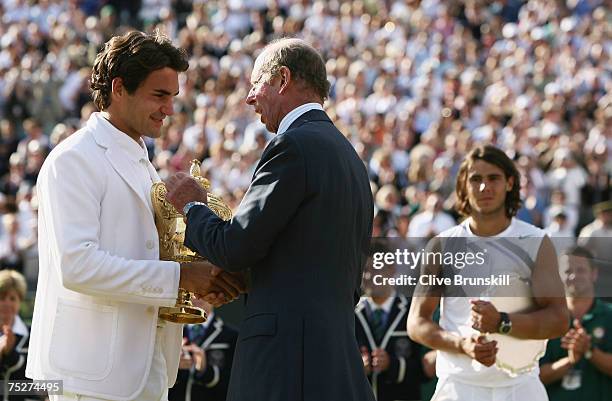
(578, 275)
(142, 113)
(264, 95)
(606, 218)
(9, 305)
(487, 187)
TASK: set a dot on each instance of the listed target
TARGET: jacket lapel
(359, 312)
(125, 170)
(398, 311)
(217, 325)
(115, 156)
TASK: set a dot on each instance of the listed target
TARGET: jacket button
(150, 244)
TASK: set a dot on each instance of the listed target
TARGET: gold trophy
(171, 230)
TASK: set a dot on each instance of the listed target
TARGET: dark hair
(497, 157)
(132, 57)
(304, 62)
(581, 251)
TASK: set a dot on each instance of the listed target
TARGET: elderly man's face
(264, 95)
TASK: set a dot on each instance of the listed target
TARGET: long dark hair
(495, 156)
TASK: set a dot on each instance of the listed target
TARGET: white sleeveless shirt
(512, 252)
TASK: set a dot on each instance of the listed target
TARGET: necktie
(378, 324)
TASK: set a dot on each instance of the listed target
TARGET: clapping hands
(576, 341)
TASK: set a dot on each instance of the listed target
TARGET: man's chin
(153, 133)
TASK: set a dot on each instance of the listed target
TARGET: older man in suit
(303, 228)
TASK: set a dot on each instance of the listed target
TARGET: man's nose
(168, 108)
(250, 99)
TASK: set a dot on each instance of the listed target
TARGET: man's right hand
(478, 348)
(211, 283)
(365, 358)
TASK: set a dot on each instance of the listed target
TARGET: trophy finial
(196, 172)
(194, 169)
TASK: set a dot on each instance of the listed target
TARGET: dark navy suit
(402, 380)
(219, 342)
(303, 228)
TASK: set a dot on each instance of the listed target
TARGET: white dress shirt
(294, 114)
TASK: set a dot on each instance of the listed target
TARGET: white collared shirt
(19, 327)
(385, 306)
(294, 114)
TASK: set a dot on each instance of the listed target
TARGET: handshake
(211, 283)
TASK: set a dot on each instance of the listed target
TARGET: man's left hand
(485, 317)
(183, 189)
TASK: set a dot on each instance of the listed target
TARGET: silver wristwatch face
(505, 327)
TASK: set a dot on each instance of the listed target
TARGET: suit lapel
(218, 327)
(364, 323)
(115, 156)
(122, 166)
(398, 311)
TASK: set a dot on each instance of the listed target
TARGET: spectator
(432, 221)
(391, 360)
(578, 366)
(14, 338)
(206, 359)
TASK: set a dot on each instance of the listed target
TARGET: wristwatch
(189, 205)
(505, 325)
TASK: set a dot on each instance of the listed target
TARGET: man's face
(144, 110)
(264, 96)
(577, 274)
(487, 187)
(606, 217)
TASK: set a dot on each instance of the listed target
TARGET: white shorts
(448, 389)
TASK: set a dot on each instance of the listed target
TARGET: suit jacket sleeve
(275, 194)
(71, 189)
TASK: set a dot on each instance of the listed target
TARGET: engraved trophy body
(171, 231)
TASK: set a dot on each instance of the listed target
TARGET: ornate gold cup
(171, 230)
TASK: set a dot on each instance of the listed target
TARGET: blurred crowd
(415, 85)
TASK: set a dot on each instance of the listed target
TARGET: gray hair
(304, 62)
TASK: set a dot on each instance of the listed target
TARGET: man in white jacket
(95, 324)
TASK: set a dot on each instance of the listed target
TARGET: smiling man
(488, 196)
(101, 282)
(303, 229)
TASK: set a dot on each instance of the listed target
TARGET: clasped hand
(211, 283)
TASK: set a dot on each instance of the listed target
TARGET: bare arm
(550, 319)
(429, 364)
(422, 328)
(602, 361)
(552, 372)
